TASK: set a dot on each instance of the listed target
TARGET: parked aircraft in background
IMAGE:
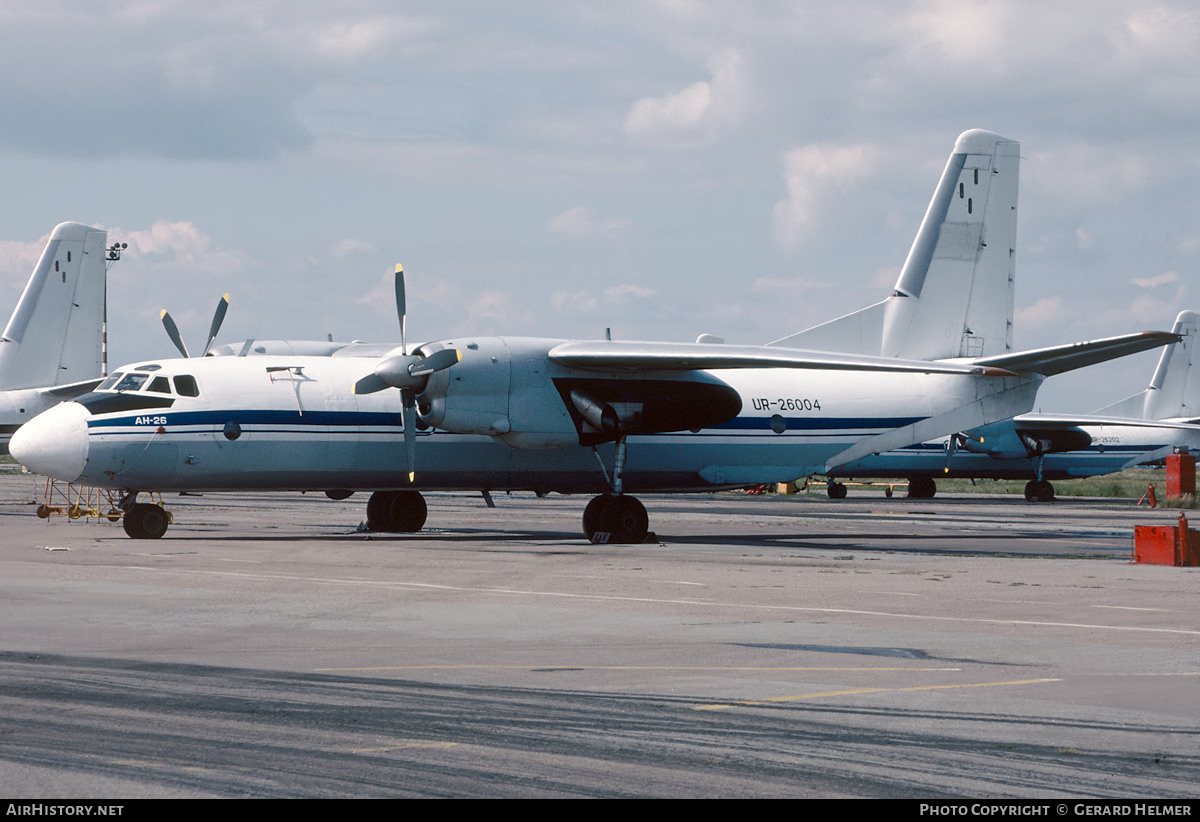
(52, 347)
(954, 298)
(518, 413)
(1146, 427)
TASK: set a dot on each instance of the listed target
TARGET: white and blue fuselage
(502, 419)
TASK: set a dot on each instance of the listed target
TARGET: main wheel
(836, 490)
(378, 511)
(1045, 491)
(921, 488)
(146, 521)
(402, 511)
(625, 519)
(591, 514)
(407, 511)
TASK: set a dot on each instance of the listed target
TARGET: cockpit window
(185, 386)
(160, 384)
(131, 382)
(110, 382)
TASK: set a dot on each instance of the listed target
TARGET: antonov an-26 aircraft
(51, 349)
(520, 413)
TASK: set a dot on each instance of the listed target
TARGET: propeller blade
(218, 318)
(401, 311)
(951, 447)
(173, 333)
(369, 385)
(435, 362)
(408, 400)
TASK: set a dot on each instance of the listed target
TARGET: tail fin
(954, 297)
(54, 335)
(1173, 393)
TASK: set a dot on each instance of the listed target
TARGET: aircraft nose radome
(54, 443)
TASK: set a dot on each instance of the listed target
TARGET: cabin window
(185, 386)
(160, 384)
(131, 382)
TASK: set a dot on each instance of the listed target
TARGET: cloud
(786, 286)
(221, 80)
(812, 173)
(577, 302)
(627, 292)
(695, 114)
(1153, 282)
(181, 244)
(1049, 312)
(579, 222)
(351, 247)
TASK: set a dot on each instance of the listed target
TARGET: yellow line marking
(1131, 608)
(717, 707)
(404, 745)
(569, 667)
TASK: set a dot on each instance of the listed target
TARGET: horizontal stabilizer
(654, 356)
(1062, 358)
(72, 390)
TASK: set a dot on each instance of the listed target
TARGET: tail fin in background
(954, 297)
(1173, 393)
(54, 335)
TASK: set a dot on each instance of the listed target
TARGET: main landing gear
(921, 488)
(1039, 490)
(396, 511)
(614, 517)
(836, 490)
(144, 520)
(622, 518)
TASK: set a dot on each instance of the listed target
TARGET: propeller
(407, 372)
(177, 338)
(962, 441)
(952, 445)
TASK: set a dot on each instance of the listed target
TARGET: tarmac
(970, 646)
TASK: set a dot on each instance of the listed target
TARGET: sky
(663, 168)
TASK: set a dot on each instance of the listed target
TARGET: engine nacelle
(510, 389)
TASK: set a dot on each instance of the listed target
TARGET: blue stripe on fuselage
(391, 420)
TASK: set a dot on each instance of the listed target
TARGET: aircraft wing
(1061, 358)
(979, 412)
(655, 356)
